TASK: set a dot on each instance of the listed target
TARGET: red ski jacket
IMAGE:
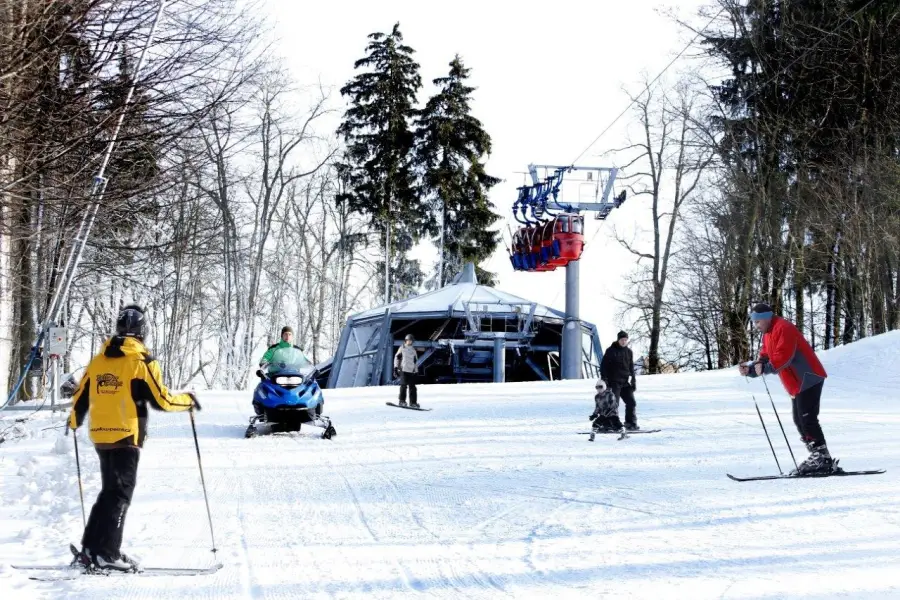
(785, 351)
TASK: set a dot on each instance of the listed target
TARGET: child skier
(606, 409)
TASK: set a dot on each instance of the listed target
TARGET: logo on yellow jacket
(108, 383)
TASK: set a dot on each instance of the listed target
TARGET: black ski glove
(195, 405)
(396, 373)
(634, 384)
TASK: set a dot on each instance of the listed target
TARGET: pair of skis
(75, 570)
(835, 472)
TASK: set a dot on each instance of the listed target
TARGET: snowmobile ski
(838, 473)
(408, 407)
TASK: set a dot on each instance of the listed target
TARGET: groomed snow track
(493, 494)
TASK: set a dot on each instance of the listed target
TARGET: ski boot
(119, 564)
(818, 461)
(603, 425)
(131, 560)
(633, 426)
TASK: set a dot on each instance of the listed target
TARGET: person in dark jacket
(118, 386)
(786, 352)
(617, 370)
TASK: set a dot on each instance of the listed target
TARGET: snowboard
(419, 408)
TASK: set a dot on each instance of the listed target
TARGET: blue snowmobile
(288, 396)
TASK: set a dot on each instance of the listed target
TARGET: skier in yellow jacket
(117, 387)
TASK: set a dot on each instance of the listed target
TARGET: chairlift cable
(651, 84)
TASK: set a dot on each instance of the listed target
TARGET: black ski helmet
(131, 322)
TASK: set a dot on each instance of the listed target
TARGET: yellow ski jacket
(118, 385)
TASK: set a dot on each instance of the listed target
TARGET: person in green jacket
(287, 341)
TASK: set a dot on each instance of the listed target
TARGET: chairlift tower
(553, 236)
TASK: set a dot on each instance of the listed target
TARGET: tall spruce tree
(378, 168)
(451, 146)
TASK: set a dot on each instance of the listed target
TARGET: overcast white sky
(549, 78)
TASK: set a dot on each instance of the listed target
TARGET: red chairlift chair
(569, 232)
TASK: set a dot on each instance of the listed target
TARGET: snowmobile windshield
(288, 360)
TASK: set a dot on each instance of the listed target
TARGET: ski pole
(767, 435)
(791, 450)
(203, 481)
(78, 469)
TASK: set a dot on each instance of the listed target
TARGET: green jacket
(267, 357)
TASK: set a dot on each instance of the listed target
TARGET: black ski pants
(118, 473)
(806, 415)
(624, 392)
(408, 380)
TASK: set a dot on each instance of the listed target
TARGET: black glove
(634, 383)
(195, 405)
(396, 373)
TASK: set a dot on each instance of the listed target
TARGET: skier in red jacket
(786, 352)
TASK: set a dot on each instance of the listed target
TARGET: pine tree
(378, 168)
(451, 146)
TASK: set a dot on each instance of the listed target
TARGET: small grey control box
(56, 341)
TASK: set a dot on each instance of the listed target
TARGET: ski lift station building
(465, 332)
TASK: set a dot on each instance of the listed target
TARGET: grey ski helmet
(409, 338)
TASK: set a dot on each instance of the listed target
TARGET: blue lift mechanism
(537, 207)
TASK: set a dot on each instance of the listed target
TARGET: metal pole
(387, 264)
(571, 339)
(99, 187)
(499, 359)
(767, 435)
(54, 382)
(791, 450)
(78, 469)
(441, 263)
(203, 481)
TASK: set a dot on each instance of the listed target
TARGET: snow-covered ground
(491, 495)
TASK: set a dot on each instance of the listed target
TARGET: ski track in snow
(493, 494)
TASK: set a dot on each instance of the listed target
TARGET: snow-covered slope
(491, 495)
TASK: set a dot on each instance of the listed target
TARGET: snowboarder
(287, 341)
(405, 368)
(606, 409)
(617, 370)
(786, 352)
(117, 387)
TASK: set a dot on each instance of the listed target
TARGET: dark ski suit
(617, 370)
